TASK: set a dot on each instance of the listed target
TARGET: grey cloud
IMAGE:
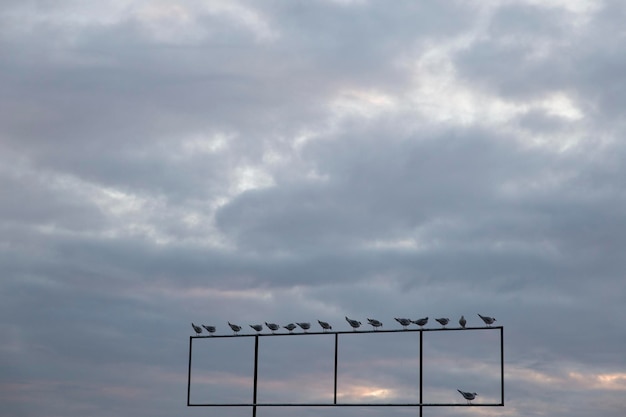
(376, 189)
(545, 52)
(22, 204)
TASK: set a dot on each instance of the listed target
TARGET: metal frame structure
(421, 404)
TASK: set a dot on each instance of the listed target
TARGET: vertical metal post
(421, 361)
(189, 373)
(256, 367)
(502, 365)
(336, 343)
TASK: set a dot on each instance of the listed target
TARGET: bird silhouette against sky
(403, 322)
(375, 323)
(443, 321)
(325, 326)
(355, 324)
(272, 326)
(469, 396)
(235, 327)
(488, 320)
(304, 326)
(210, 329)
(421, 322)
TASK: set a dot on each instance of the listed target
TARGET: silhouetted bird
(421, 322)
(257, 327)
(290, 327)
(374, 323)
(235, 328)
(304, 326)
(210, 329)
(443, 321)
(273, 326)
(197, 329)
(469, 396)
(488, 320)
(355, 324)
(462, 322)
(403, 322)
(325, 325)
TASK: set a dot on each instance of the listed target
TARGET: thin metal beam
(502, 365)
(256, 368)
(421, 367)
(189, 373)
(458, 404)
(447, 329)
(336, 344)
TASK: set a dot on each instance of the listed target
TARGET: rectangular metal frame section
(336, 334)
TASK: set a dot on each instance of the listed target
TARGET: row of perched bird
(355, 324)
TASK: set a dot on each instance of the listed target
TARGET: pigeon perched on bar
(488, 320)
(290, 327)
(325, 326)
(210, 329)
(443, 321)
(421, 322)
(355, 324)
(273, 326)
(469, 396)
(235, 327)
(403, 322)
(374, 323)
(462, 321)
(197, 329)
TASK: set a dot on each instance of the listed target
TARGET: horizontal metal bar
(351, 405)
(350, 332)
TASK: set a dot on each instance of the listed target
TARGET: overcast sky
(164, 162)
